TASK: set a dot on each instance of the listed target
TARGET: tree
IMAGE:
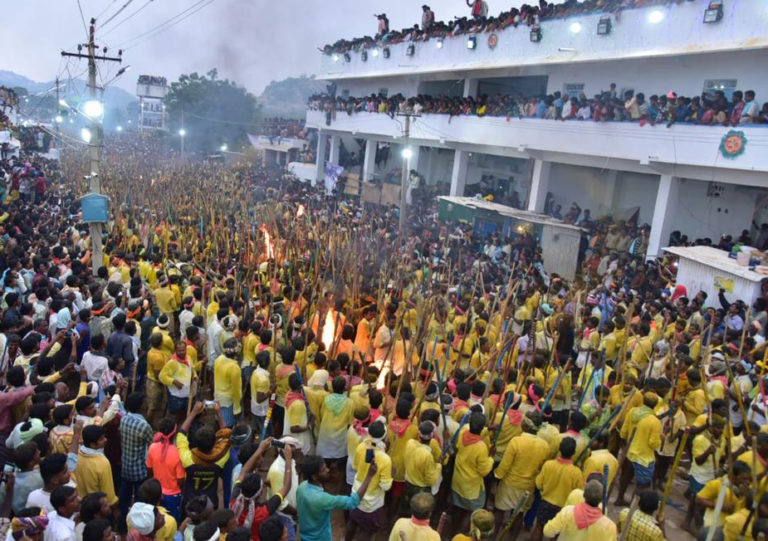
(215, 112)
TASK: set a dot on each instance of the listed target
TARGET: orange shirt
(168, 470)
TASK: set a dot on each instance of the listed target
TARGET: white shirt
(59, 528)
(185, 320)
(40, 498)
(95, 365)
(214, 335)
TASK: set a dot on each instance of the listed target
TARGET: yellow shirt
(642, 352)
(710, 492)
(694, 404)
(647, 435)
(227, 383)
(557, 478)
(734, 524)
(608, 343)
(156, 359)
(522, 460)
(422, 468)
(564, 525)
(94, 474)
(166, 300)
(381, 481)
(413, 530)
(597, 460)
(472, 465)
(397, 447)
(250, 343)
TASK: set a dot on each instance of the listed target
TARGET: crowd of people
(709, 109)
(479, 20)
(253, 355)
(283, 127)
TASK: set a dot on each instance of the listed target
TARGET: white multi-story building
(676, 178)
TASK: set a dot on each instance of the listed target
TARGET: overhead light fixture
(604, 26)
(714, 13)
(347, 57)
(386, 52)
(93, 109)
(439, 44)
(655, 16)
(535, 33)
(85, 135)
(375, 53)
(575, 28)
(364, 56)
(471, 42)
(410, 50)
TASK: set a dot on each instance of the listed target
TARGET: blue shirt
(314, 506)
(541, 109)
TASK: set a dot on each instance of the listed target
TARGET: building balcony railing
(675, 29)
(679, 145)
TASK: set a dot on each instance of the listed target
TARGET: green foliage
(215, 112)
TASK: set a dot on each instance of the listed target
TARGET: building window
(384, 92)
(573, 90)
(727, 86)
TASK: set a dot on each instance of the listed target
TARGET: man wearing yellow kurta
(734, 500)
(557, 478)
(177, 376)
(584, 521)
(369, 514)
(472, 465)
(522, 460)
(165, 297)
(156, 359)
(227, 383)
(335, 417)
(644, 429)
(423, 468)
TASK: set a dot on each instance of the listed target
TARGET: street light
(85, 135)
(59, 119)
(182, 133)
(93, 109)
(407, 153)
(119, 128)
(223, 148)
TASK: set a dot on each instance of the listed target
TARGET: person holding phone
(370, 516)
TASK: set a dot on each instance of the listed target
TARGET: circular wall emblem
(493, 40)
(733, 144)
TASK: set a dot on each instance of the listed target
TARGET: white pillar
(321, 144)
(537, 194)
(611, 178)
(470, 87)
(369, 161)
(459, 173)
(666, 202)
(335, 148)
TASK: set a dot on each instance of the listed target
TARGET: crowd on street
(254, 358)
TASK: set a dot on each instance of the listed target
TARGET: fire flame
(300, 212)
(328, 329)
(270, 249)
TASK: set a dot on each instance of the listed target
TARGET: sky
(251, 42)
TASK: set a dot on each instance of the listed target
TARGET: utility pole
(407, 154)
(56, 122)
(94, 145)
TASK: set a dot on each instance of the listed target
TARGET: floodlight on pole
(182, 132)
(407, 153)
(93, 109)
(85, 135)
